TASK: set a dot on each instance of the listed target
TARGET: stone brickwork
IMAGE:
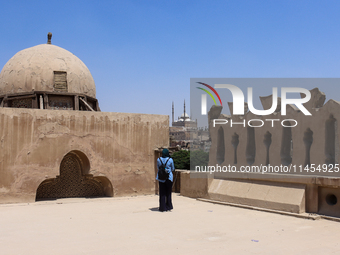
(314, 140)
(119, 148)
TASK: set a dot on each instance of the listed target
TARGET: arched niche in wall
(267, 140)
(74, 180)
(235, 141)
(220, 154)
(286, 144)
(308, 141)
(330, 140)
(251, 146)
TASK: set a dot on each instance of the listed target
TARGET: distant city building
(184, 120)
(185, 133)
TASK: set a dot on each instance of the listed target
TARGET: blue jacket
(169, 167)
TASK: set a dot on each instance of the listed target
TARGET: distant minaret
(173, 113)
(184, 109)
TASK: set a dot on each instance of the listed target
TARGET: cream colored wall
(316, 123)
(319, 151)
(119, 146)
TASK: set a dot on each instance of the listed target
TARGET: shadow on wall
(74, 180)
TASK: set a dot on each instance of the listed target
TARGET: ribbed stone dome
(35, 69)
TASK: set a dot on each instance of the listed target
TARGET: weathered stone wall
(119, 146)
(287, 145)
(194, 185)
(315, 140)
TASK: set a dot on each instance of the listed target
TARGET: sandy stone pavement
(132, 225)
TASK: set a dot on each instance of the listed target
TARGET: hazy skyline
(142, 54)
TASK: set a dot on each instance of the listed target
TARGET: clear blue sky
(142, 54)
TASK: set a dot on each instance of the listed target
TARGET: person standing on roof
(165, 180)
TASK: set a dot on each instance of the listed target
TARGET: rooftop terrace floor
(132, 225)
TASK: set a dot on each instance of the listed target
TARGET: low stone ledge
(274, 196)
(282, 178)
(298, 215)
(194, 185)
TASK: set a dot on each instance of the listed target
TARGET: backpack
(162, 173)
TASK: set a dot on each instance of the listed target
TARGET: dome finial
(49, 37)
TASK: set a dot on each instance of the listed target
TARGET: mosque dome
(184, 116)
(49, 70)
(34, 69)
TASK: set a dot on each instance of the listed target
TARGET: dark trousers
(165, 203)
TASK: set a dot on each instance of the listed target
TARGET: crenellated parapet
(295, 139)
